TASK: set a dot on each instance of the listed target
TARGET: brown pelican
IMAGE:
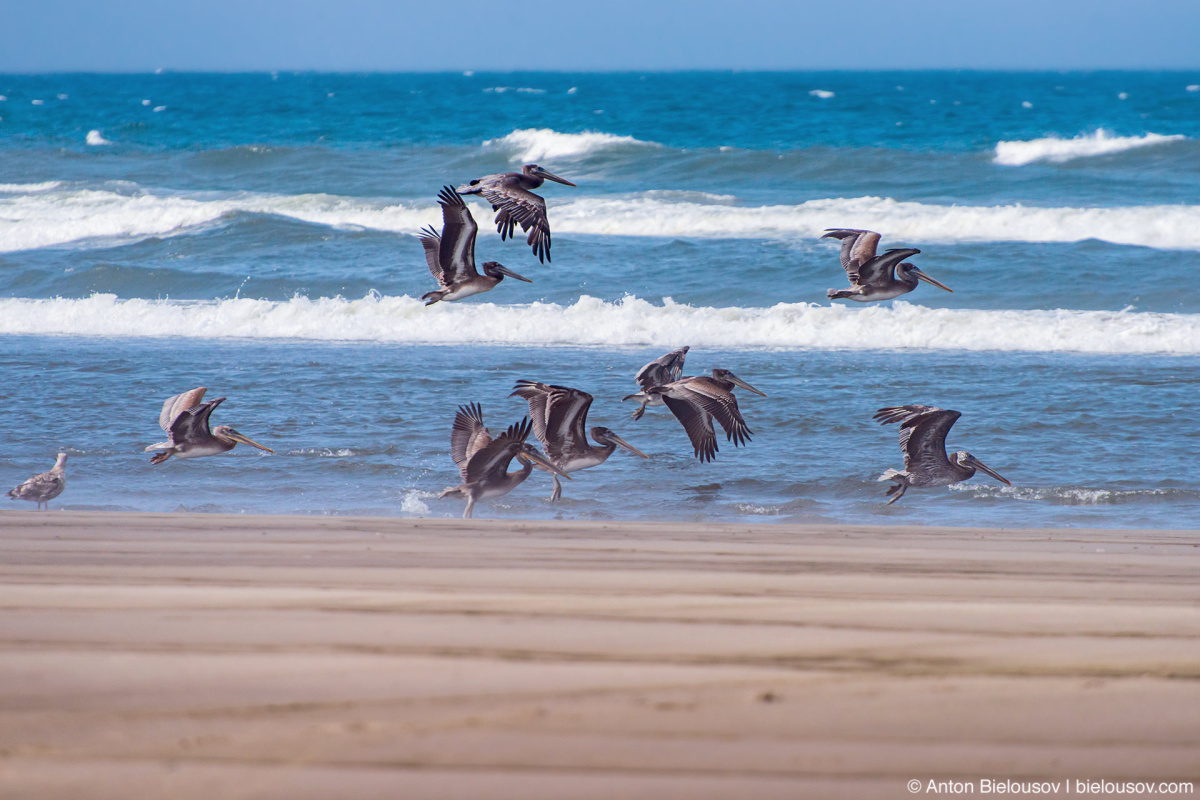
(451, 256)
(559, 417)
(483, 461)
(512, 198)
(659, 372)
(923, 432)
(875, 277)
(185, 419)
(695, 401)
(45, 486)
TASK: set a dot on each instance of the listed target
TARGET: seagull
(512, 198)
(559, 416)
(45, 486)
(923, 432)
(451, 255)
(483, 460)
(659, 372)
(185, 419)
(875, 277)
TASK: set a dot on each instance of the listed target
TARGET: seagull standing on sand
(923, 432)
(45, 486)
(875, 277)
(185, 419)
(559, 417)
(512, 198)
(451, 256)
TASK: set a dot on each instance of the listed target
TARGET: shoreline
(198, 655)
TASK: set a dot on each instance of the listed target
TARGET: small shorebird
(185, 419)
(45, 486)
(451, 256)
(559, 416)
(875, 277)
(923, 432)
(483, 460)
(659, 372)
(512, 198)
(695, 401)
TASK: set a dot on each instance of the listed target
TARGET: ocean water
(255, 234)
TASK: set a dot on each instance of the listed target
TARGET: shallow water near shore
(255, 234)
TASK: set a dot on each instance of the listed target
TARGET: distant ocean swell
(1058, 150)
(629, 322)
(51, 216)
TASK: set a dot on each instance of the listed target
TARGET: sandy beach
(203, 656)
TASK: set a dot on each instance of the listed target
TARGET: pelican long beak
(511, 274)
(745, 385)
(237, 437)
(552, 177)
(982, 467)
(540, 461)
(922, 276)
(624, 445)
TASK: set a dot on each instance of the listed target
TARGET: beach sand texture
(205, 656)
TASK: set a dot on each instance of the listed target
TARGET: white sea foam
(523, 89)
(1054, 149)
(413, 504)
(537, 144)
(1193, 87)
(44, 218)
(29, 188)
(591, 321)
(824, 94)
(94, 138)
(1065, 495)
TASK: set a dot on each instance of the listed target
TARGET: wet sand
(203, 656)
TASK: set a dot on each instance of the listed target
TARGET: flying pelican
(483, 461)
(451, 256)
(185, 419)
(659, 372)
(512, 198)
(875, 277)
(695, 401)
(45, 486)
(559, 417)
(923, 432)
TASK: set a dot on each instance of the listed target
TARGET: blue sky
(436, 35)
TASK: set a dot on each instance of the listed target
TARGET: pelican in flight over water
(875, 277)
(923, 432)
(45, 486)
(451, 256)
(559, 417)
(185, 419)
(697, 400)
(483, 461)
(659, 372)
(512, 198)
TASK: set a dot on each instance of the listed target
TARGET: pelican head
(729, 377)
(606, 436)
(495, 269)
(906, 269)
(228, 434)
(528, 454)
(534, 171)
(964, 459)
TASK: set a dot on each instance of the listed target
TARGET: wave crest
(1057, 150)
(627, 322)
(530, 145)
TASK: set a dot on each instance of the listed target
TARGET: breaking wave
(628, 322)
(1057, 150)
(529, 145)
(46, 217)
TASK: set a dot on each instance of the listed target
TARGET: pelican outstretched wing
(174, 406)
(468, 436)
(698, 424)
(881, 269)
(431, 241)
(456, 252)
(662, 370)
(721, 404)
(192, 425)
(923, 432)
(515, 205)
(494, 457)
(558, 414)
(858, 247)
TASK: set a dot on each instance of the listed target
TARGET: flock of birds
(558, 414)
